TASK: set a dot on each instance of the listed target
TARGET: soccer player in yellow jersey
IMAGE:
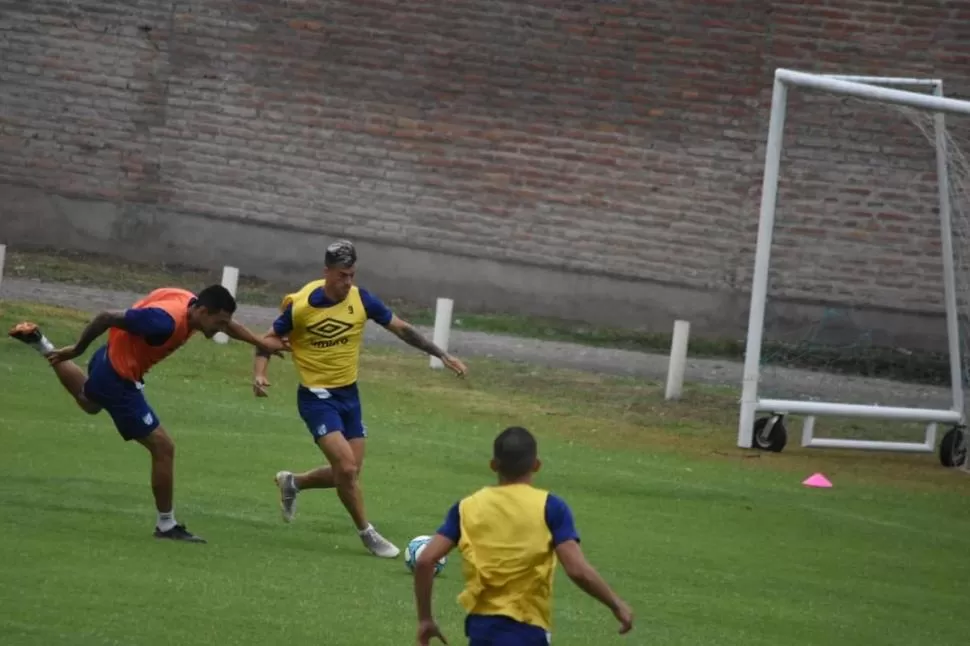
(324, 325)
(510, 537)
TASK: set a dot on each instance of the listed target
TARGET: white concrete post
(3, 259)
(442, 328)
(678, 360)
(230, 280)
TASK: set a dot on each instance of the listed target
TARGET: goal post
(752, 432)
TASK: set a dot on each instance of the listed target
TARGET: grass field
(710, 545)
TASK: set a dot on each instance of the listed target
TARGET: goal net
(860, 308)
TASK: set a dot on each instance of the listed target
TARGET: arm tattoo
(413, 338)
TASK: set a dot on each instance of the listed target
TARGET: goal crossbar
(886, 80)
(870, 88)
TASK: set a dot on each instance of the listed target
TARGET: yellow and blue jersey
(325, 339)
(507, 536)
(326, 336)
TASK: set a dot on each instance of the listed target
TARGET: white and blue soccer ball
(413, 551)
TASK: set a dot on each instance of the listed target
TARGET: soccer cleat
(378, 545)
(179, 533)
(29, 333)
(288, 491)
(26, 332)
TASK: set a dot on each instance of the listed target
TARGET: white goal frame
(864, 87)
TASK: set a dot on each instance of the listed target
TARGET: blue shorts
(483, 630)
(123, 399)
(331, 410)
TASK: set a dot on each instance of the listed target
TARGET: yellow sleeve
(287, 301)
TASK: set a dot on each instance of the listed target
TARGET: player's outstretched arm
(95, 328)
(270, 343)
(406, 332)
(435, 550)
(589, 581)
(277, 334)
(261, 364)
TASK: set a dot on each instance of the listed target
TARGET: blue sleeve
(377, 311)
(559, 518)
(153, 324)
(451, 529)
(283, 324)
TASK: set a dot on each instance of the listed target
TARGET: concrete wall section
(291, 256)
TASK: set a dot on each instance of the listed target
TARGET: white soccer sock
(166, 520)
(44, 346)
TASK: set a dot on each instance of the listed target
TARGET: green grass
(710, 545)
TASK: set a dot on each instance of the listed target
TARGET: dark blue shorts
(123, 399)
(483, 630)
(331, 410)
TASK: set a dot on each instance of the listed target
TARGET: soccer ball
(413, 551)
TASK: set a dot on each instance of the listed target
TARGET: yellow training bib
(507, 557)
(326, 341)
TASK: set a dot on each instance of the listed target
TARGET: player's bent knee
(346, 471)
(87, 405)
(166, 448)
(340, 454)
(159, 444)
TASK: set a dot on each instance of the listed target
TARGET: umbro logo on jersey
(330, 328)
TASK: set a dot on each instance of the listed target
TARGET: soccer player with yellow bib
(510, 536)
(324, 323)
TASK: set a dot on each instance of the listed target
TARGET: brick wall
(615, 137)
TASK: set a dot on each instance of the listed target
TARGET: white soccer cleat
(378, 545)
(288, 491)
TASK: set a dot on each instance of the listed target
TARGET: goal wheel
(953, 448)
(770, 434)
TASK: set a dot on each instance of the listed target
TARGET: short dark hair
(340, 254)
(515, 451)
(216, 298)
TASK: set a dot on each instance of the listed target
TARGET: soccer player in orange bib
(138, 339)
(511, 536)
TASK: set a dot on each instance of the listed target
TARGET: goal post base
(795, 407)
(871, 445)
(811, 410)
